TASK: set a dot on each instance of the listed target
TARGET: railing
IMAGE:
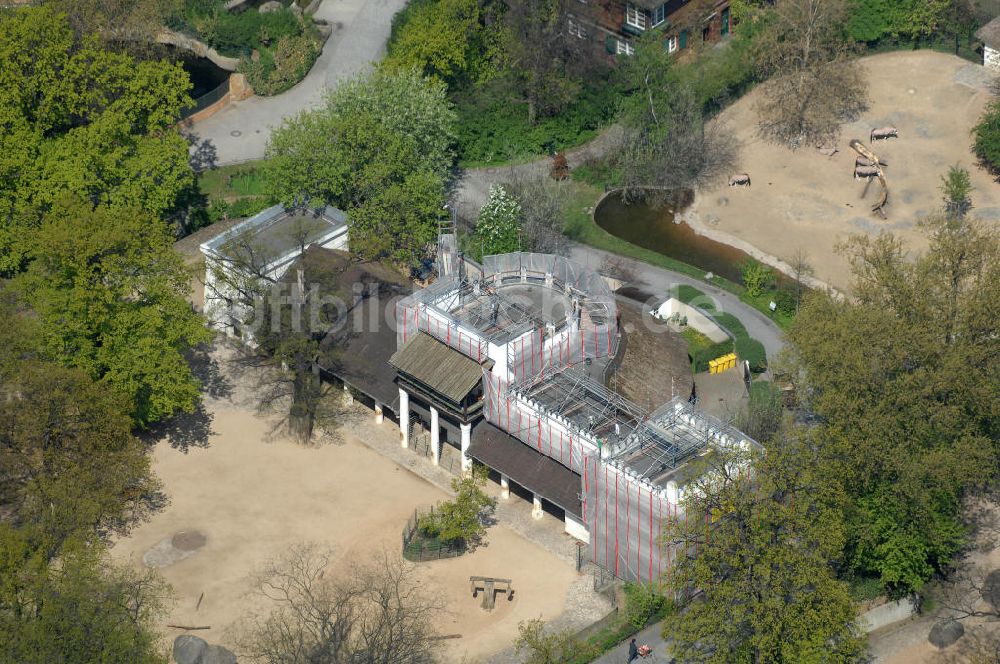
(207, 99)
(418, 549)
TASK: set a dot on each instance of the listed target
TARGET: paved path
(651, 636)
(660, 282)
(360, 31)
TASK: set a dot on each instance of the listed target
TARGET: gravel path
(361, 28)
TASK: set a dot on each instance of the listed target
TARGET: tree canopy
(901, 379)
(76, 118)
(757, 545)
(110, 297)
(380, 148)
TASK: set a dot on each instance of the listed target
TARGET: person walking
(633, 651)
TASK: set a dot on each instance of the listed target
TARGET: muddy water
(654, 228)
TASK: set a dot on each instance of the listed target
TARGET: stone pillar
(504, 487)
(379, 416)
(348, 397)
(536, 506)
(404, 417)
(435, 437)
(466, 442)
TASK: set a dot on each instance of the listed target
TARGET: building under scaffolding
(535, 325)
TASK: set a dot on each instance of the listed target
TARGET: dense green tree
(380, 148)
(110, 296)
(443, 39)
(76, 118)
(986, 137)
(871, 20)
(901, 377)
(80, 610)
(461, 519)
(755, 554)
(69, 462)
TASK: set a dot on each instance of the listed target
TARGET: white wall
(991, 58)
(576, 529)
(695, 319)
(887, 614)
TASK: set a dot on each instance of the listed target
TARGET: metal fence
(419, 548)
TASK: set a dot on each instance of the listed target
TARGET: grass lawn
(232, 182)
(580, 226)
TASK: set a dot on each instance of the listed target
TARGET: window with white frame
(577, 29)
(635, 16)
(659, 15)
(625, 48)
(671, 44)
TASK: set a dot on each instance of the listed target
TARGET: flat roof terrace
(504, 313)
(277, 232)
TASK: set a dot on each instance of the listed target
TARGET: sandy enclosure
(803, 200)
(252, 498)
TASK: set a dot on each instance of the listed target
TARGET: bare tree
(374, 613)
(544, 203)
(680, 152)
(815, 83)
(287, 323)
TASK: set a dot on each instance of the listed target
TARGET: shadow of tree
(209, 373)
(184, 430)
(203, 154)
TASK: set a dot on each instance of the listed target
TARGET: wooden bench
(490, 587)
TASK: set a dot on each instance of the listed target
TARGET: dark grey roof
(527, 467)
(359, 350)
(989, 34)
(438, 366)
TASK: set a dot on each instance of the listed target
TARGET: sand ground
(803, 200)
(252, 496)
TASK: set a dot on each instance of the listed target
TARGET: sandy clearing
(252, 498)
(804, 200)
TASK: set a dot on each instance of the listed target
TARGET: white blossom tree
(498, 229)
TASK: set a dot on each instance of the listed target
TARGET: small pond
(653, 228)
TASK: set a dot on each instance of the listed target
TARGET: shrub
(757, 277)
(986, 145)
(753, 352)
(460, 519)
(642, 603)
(279, 69)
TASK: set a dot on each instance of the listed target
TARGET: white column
(404, 417)
(466, 442)
(504, 487)
(348, 397)
(536, 506)
(435, 437)
(379, 415)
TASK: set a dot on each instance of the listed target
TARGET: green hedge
(753, 352)
(746, 347)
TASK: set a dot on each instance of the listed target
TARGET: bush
(757, 277)
(460, 519)
(986, 145)
(702, 350)
(491, 129)
(753, 352)
(641, 604)
(236, 33)
(279, 69)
